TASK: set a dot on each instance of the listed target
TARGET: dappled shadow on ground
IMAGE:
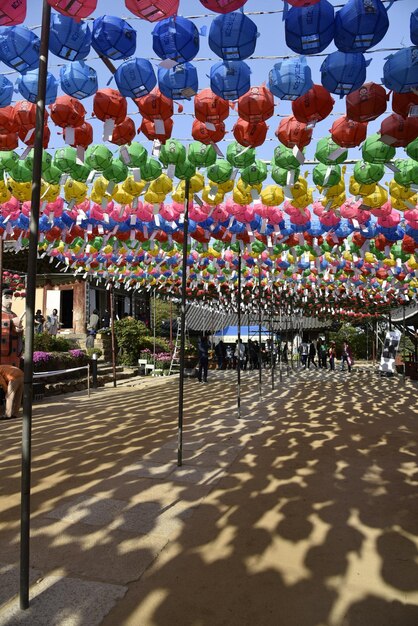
(302, 513)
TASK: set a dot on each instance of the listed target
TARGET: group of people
(50, 325)
(327, 355)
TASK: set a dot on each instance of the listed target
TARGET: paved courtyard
(302, 513)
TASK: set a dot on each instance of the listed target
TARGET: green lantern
(172, 152)
(220, 172)
(46, 160)
(284, 157)
(375, 151)
(326, 175)
(368, 173)
(254, 174)
(238, 156)
(8, 159)
(185, 170)
(326, 152)
(408, 172)
(65, 159)
(20, 173)
(52, 175)
(80, 172)
(151, 170)
(98, 157)
(279, 175)
(412, 149)
(116, 172)
(258, 247)
(201, 155)
(137, 155)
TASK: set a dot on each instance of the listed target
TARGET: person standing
(11, 381)
(203, 350)
(220, 354)
(311, 355)
(303, 351)
(94, 321)
(106, 319)
(346, 356)
(322, 354)
(332, 353)
(39, 322)
(52, 323)
(240, 354)
(11, 332)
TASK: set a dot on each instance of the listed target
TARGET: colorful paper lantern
(220, 172)
(233, 36)
(68, 39)
(116, 171)
(326, 175)
(67, 111)
(412, 150)
(109, 104)
(314, 106)
(328, 152)
(97, 157)
(375, 151)
(83, 135)
(230, 79)
(172, 153)
(135, 78)
(6, 91)
(366, 103)
(176, 38)
(302, 3)
(209, 107)
(400, 72)
(113, 37)
(200, 132)
(407, 173)
(179, 82)
(151, 170)
(8, 141)
(152, 10)
(201, 155)
(78, 80)
(124, 132)
(403, 102)
(28, 136)
(185, 170)
(28, 86)
(223, 6)
(8, 120)
(256, 105)
(77, 10)
(309, 30)
(19, 48)
(155, 105)
(348, 133)
(290, 78)
(360, 25)
(12, 13)
(399, 131)
(250, 134)
(255, 173)
(291, 132)
(152, 130)
(239, 155)
(414, 27)
(285, 159)
(343, 72)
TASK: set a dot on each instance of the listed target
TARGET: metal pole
(239, 336)
(94, 369)
(373, 344)
(112, 331)
(272, 351)
(280, 359)
(183, 323)
(403, 335)
(292, 337)
(154, 324)
(260, 373)
(171, 326)
(1, 286)
(30, 310)
(377, 340)
(88, 379)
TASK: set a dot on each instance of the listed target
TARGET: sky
(271, 42)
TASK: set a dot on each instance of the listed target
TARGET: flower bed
(52, 361)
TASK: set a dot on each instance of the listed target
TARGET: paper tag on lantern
(387, 251)
(110, 187)
(135, 203)
(157, 220)
(124, 154)
(387, 139)
(132, 220)
(156, 147)
(410, 205)
(108, 128)
(337, 153)
(63, 179)
(168, 64)
(170, 170)
(29, 135)
(217, 150)
(136, 173)
(145, 232)
(212, 192)
(188, 93)
(356, 224)
(234, 174)
(413, 187)
(290, 178)
(413, 111)
(100, 229)
(210, 126)
(69, 135)
(334, 238)
(197, 199)
(298, 155)
(159, 127)
(80, 155)
(392, 167)
(90, 177)
(25, 153)
(254, 194)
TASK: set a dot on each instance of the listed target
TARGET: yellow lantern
(21, 191)
(272, 195)
(75, 190)
(356, 189)
(212, 199)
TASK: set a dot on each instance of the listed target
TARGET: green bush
(161, 344)
(91, 351)
(53, 343)
(129, 334)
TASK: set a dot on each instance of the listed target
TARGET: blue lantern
(290, 78)
(360, 24)
(179, 82)
(233, 36)
(113, 37)
(310, 29)
(6, 91)
(19, 48)
(343, 72)
(78, 80)
(230, 79)
(400, 72)
(176, 38)
(28, 86)
(414, 27)
(135, 78)
(69, 39)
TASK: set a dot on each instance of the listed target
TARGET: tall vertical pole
(272, 350)
(1, 285)
(239, 336)
(171, 326)
(183, 323)
(30, 311)
(112, 331)
(377, 340)
(292, 337)
(259, 335)
(403, 353)
(373, 343)
(154, 324)
(281, 335)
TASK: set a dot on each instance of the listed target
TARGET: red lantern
(151, 132)
(67, 111)
(8, 141)
(124, 133)
(155, 105)
(27, 135)
(77, 10)
(251, 135)
(25, 112)
(152, 10)
(12, 13)
(208, 107)
(8, 120)
(367, 103)
(206, 136)
(348, 133)
(399, 130)
(402, 102)
(83, 135)
(293, 133)
(109, 104)
(315, 105)
(257, 105)
(408, 244)
(223, 6)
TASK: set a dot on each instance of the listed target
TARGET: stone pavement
(302, 513)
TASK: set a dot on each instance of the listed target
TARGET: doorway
(66, 308)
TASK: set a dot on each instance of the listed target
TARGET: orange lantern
(162, 133)
(402, 102)
(291, 132)
(124, 132)
(67, 111)
(83, 135)
(205, 135)
(8, 120)
(348, 133)
(208, 107)
(109, 104)
(400, 130)
(315, 105)
(25, 112)
(8, 141)
(155, 105)
(248, 134)
(257, 105)
(27, 135)
(367, 103)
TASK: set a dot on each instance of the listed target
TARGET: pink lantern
(56, 207)
(274, 215)
(318, 208)
(329, 219)
(12, 13)
(167, 212)
(383, 210)
(219, 213)
(145, 212)
(152, 10)
(77, 9)
(196, 214)
(223, 6)
(389, 221)
(411, 215)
